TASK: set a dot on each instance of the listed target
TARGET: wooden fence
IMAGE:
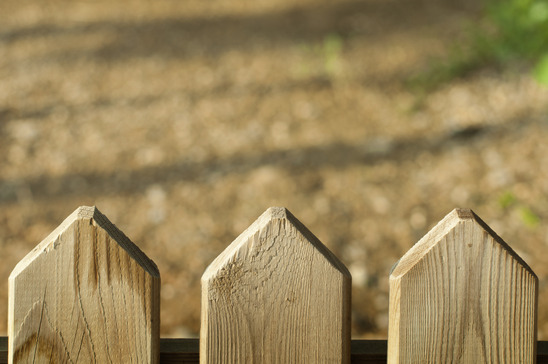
(87, 294)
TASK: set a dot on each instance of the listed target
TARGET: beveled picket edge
(446, 293)
(90, 267)
(188, 351)
(274, 275)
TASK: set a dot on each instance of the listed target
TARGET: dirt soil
(182, 121)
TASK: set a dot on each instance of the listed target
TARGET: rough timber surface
(85, 294)
(461, 294)
(274, 289)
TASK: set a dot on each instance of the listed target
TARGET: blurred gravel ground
(184, 120)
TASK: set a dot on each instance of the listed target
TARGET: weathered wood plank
(276, 295)
(85, 294)
(462, 295)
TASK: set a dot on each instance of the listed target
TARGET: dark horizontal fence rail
(187, 351)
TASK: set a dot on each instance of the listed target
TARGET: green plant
(541, 70)
(322, 59)
(512, 31)
(508, 201)
(529, 217)
(331, 51)
(521, 28)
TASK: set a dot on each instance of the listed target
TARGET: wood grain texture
(462, 295)
(276, 295)
(85, 294)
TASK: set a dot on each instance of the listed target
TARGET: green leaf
(507, 199)
(538, 12)
(528, 217)
(541, 70)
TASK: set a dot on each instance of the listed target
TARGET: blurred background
(182, 121)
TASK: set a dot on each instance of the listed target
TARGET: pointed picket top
(276, 294)
(86, 293)
(461, 294)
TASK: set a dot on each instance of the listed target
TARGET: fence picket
(85, 294)
(276, 295)
(462, 295)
